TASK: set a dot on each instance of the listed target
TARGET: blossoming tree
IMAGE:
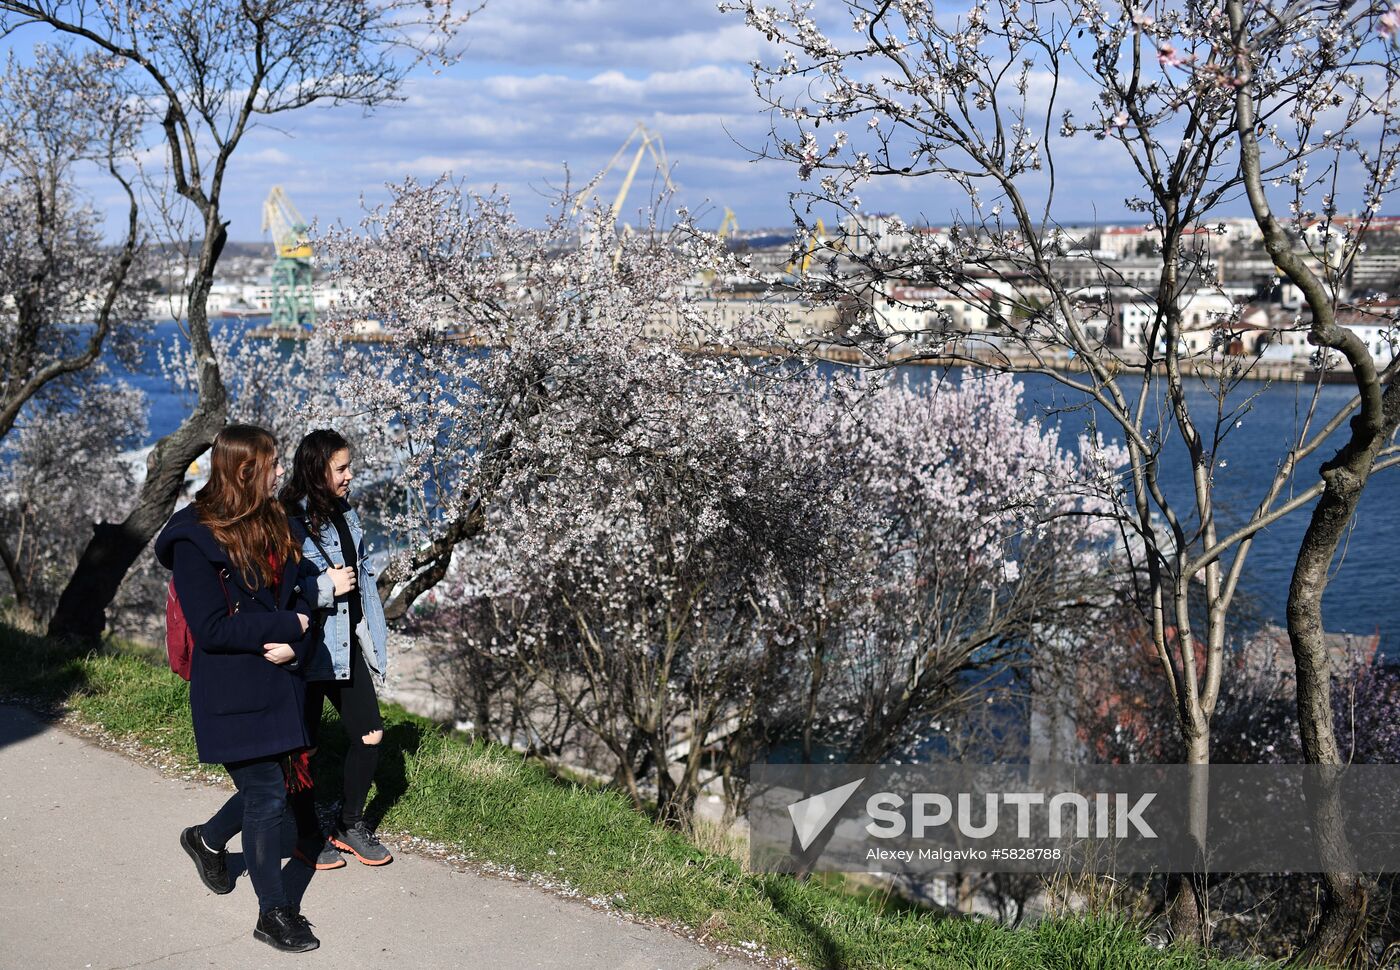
(990, 102)
(210, 71)
(62, 116)
(638, 514)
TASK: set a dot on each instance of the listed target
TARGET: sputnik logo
(812, 815)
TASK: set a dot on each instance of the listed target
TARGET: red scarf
(276, 565)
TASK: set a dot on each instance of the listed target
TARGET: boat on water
(366, 329)
(241, 310)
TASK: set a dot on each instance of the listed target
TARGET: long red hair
(249, 523)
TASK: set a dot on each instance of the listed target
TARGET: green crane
(293, 302)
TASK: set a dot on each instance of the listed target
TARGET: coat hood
(185, 525)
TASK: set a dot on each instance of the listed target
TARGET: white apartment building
(256, 296)
(1270, 332)
(882, 232)
(1201, 313)
(1375, 268)
(1381, 341)
(1126, 241)
(732, 313)
(1335, 233)
(909, 311)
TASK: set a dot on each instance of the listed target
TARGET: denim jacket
(332, 660)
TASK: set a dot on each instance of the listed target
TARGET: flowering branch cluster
(780, 566)
(514, 353)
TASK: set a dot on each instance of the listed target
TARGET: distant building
(1375, 269)
(1135, 326)
(734, 311)
(1127, 241)
(907, 311)
(1270, 650)
(1080, 269)
(882, 232)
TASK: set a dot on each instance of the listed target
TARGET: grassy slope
(493, 805)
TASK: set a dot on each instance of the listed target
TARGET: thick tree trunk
(1341, 927)
(429, 564)
(114, 547)
(82, 609)
(427, 567)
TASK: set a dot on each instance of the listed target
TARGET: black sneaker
(212, 866)
(360, 842)
(286, 929)
(318, 853)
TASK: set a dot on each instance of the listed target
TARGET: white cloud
(265, 156)
(622, 33)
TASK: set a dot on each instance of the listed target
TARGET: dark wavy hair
(309, 484)
(246, 522)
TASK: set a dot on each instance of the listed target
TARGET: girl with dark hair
(351, 653)
(240, 583)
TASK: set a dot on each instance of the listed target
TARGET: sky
(545, 83)
(542, 83)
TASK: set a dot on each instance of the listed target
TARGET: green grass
(493, 805)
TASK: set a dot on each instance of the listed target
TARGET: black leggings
(355, 701)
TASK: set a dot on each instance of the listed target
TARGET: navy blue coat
(243, 705)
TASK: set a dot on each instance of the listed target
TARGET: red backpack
(179, 643)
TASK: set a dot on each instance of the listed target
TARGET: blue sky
(542, 83)
(545, 82)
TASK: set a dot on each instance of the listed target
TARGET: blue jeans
(255, 809)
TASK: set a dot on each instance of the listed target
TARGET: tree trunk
(24, 615)
(1341, 927)
(1188, 916)
(481, 707)
(671, 804)
(114, 547)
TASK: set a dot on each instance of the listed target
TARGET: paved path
(92, 876)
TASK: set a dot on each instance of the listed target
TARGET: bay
(1364, 594)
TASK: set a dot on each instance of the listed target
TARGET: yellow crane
(287, 227)
(727, 225)
(815, 240)
(293, 301)
(647, 142)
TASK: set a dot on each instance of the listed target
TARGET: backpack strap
(223, 585)
(316, 541)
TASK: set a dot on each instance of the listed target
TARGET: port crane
(293, 301)
(815, 240)
(647, 142)
(727, 225)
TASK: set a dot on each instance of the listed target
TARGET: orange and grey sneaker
(360, 842)
(318, 854)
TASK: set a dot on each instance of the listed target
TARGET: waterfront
(1362, 597)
